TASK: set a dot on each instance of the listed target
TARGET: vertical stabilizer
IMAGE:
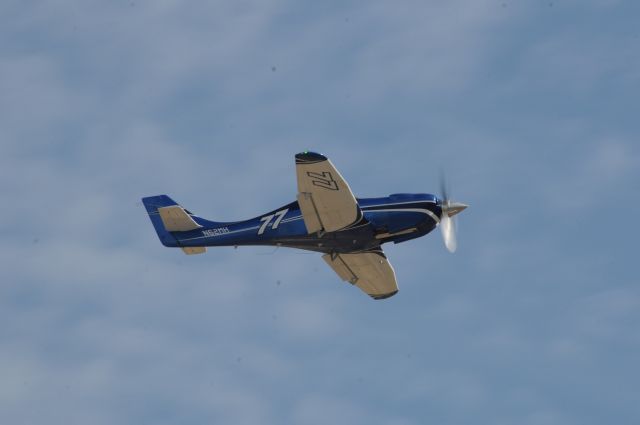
(152, 205)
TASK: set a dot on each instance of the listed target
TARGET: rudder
(151, 204)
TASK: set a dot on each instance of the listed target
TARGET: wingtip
(307, 156)
(384, 296)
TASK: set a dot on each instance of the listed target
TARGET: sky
(529, 108)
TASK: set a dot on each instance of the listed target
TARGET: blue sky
(529, 107)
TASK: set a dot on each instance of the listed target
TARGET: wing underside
(370, 271)
(326, 201)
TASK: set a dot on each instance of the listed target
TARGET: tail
(167, 216)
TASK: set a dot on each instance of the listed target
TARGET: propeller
(447, 223)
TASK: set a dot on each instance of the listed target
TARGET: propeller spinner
(447, 223)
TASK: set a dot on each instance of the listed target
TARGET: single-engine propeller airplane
(326, 218)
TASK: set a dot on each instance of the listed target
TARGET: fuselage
(395, 218)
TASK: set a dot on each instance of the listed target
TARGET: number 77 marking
(266, 220)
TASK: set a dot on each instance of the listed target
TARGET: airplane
(327, 218)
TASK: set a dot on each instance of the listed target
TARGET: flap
(309, 213)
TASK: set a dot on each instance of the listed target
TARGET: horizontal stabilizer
(176, 219)
(192, 250)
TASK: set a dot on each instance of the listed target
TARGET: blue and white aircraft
(326, 218)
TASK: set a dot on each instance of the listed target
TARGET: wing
(370, 271)
(325, 199)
